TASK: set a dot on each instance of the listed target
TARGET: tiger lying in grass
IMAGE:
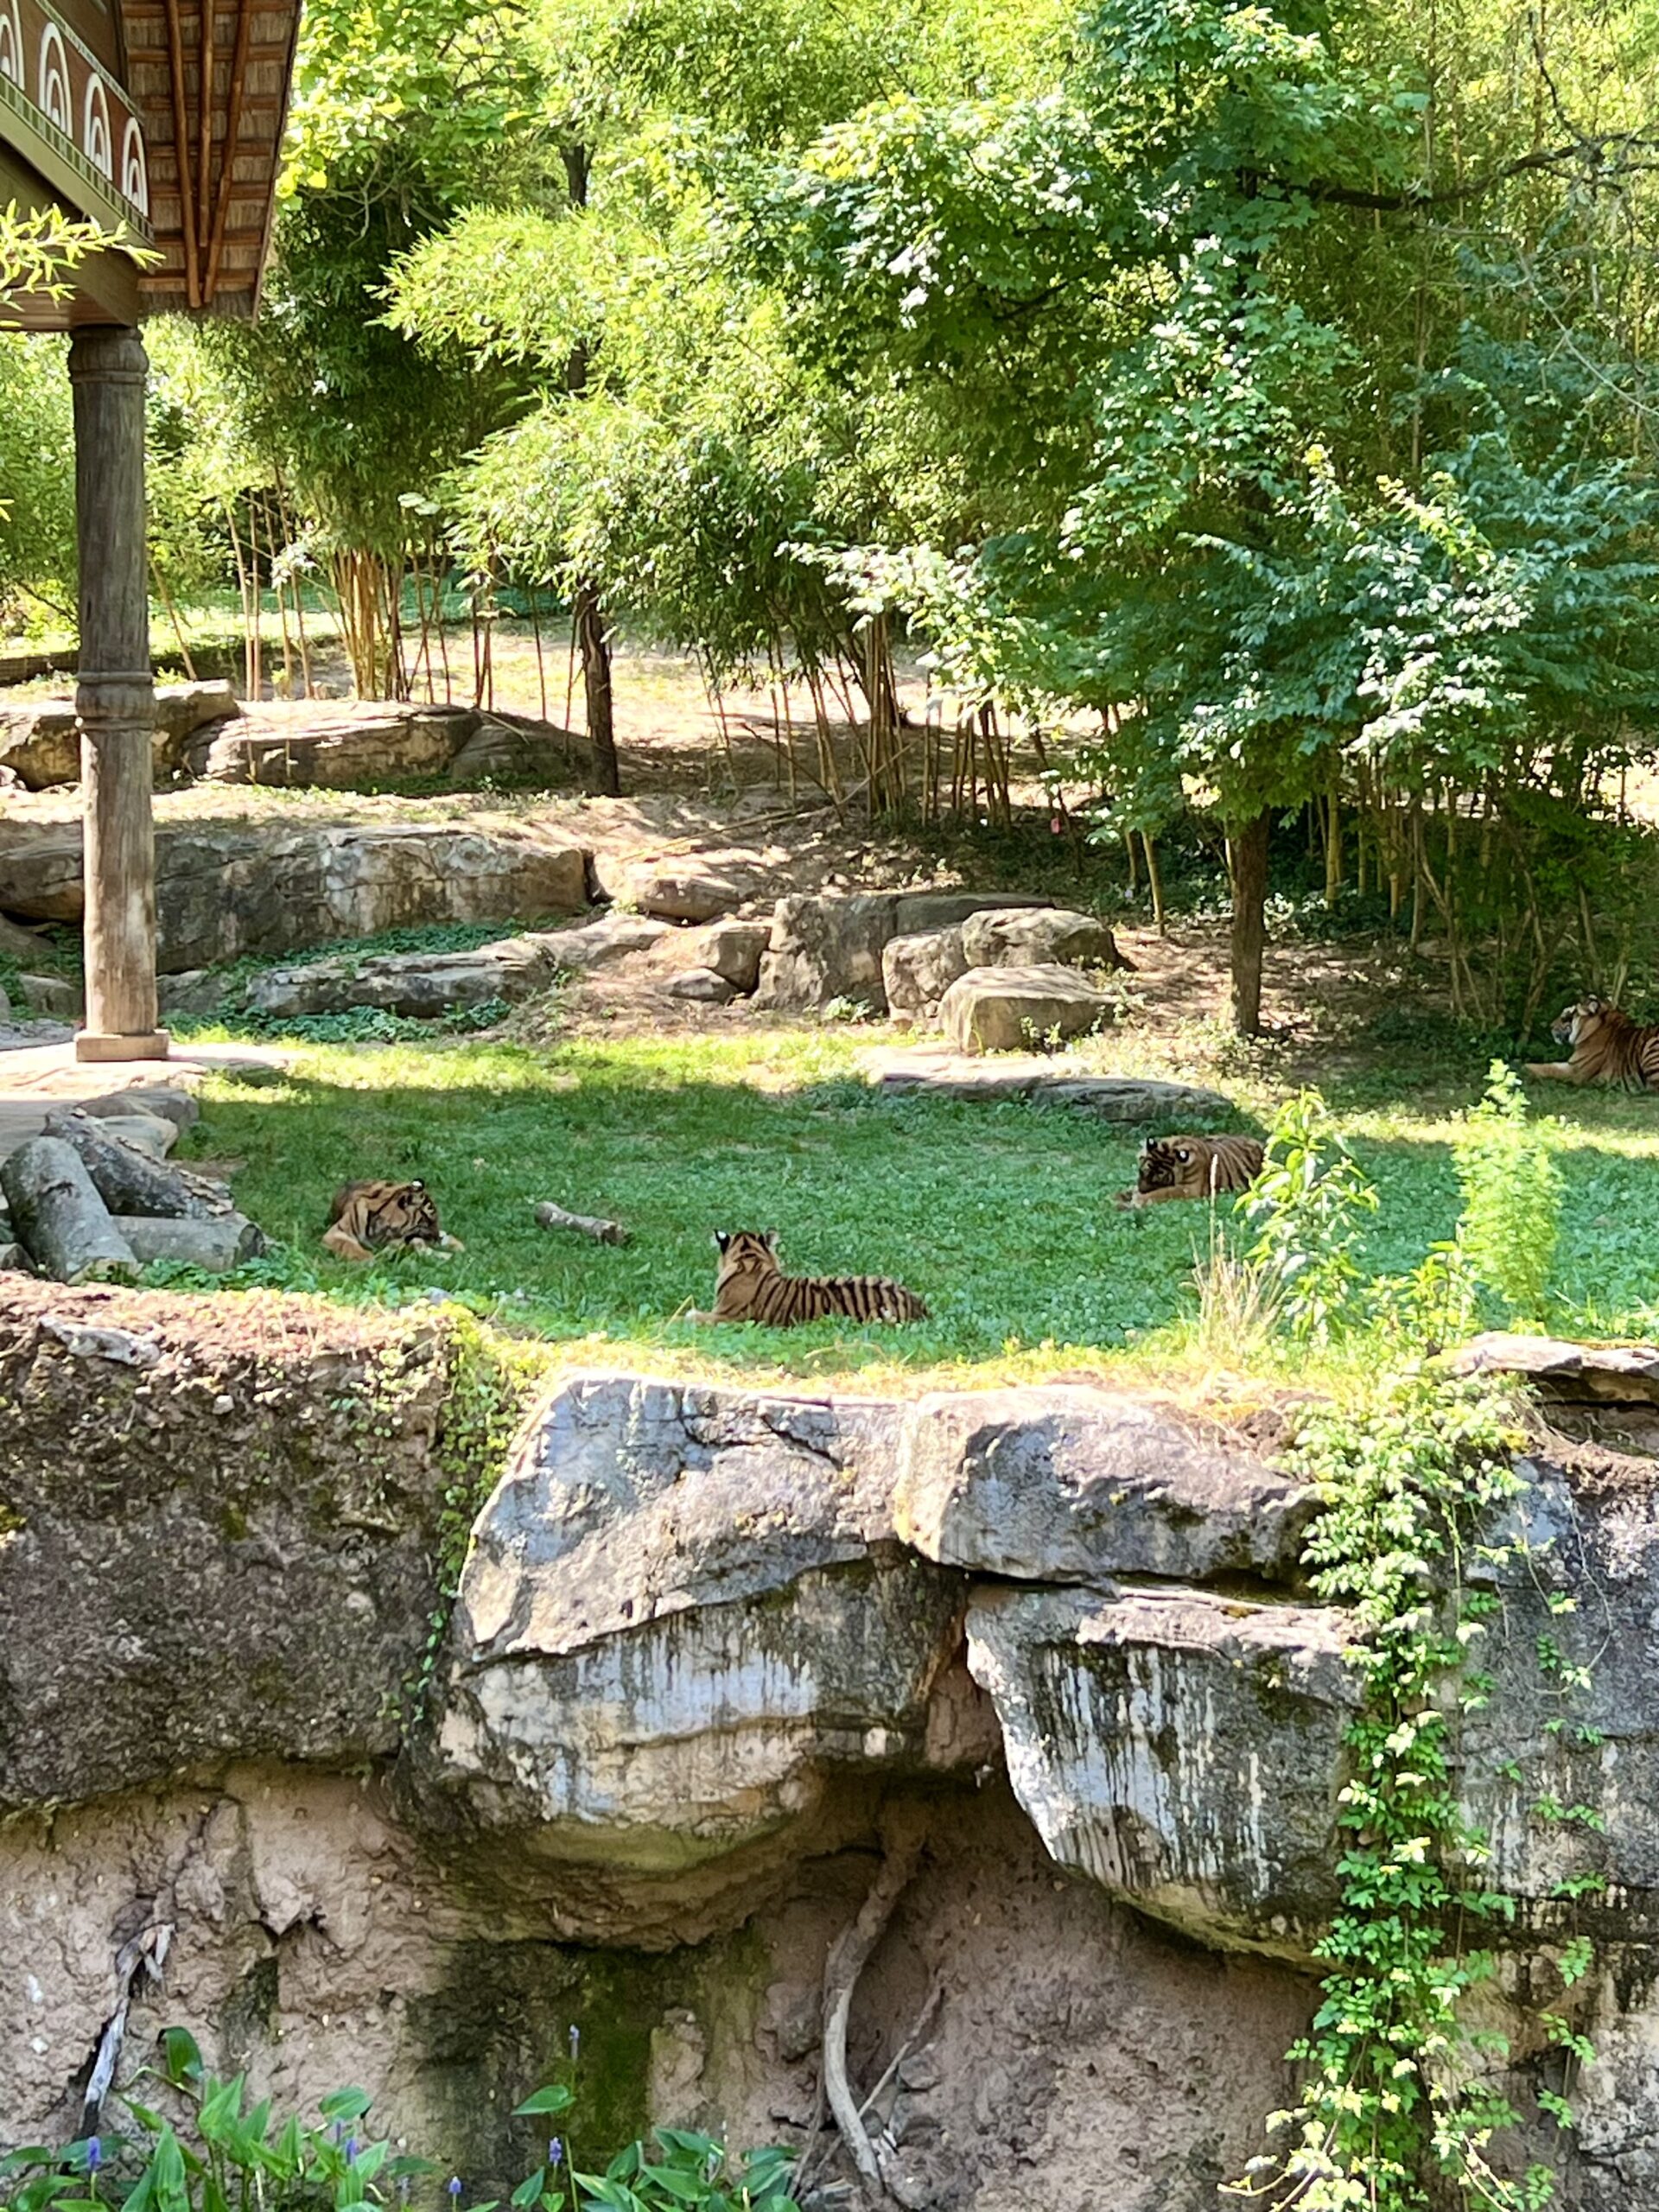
(750, 1286)
(369, 1217)
(1607, 1047)
(1193, 1167)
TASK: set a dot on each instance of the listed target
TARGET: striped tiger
(1607, 1047)
(750, 1286)
(1193, 1167)
(369, 1217)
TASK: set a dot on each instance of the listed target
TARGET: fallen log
(59, 1217)
(130, 1182)
(585, 1224)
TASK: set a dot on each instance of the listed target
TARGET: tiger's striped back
(1607, 1046)
(751, 1285)
(1193, 1167)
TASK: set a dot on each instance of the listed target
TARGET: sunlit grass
(1002, 1215)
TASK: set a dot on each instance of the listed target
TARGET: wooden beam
(232, 139)
(209, 10)
(115, 698)
(181, 152)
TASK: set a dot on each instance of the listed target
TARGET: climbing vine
(491, 1376)
(1395, 2110)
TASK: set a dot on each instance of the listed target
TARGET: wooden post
(115, 698)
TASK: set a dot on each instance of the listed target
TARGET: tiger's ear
(769, 1238)
(722, 1238)
(418, 1186)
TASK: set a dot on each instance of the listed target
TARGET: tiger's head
(746, 1252)
(1163, 1165)
(403, 1213)
(1576, 1025)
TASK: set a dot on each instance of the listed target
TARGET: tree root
(904, 1835)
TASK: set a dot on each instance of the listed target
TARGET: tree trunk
(129, 1181)
(64, 1225)
(596, 681)
(1249, 850)
(115, 698)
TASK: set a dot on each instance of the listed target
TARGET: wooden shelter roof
(212, 173)
(165, 116)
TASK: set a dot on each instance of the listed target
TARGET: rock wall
(706, 1642)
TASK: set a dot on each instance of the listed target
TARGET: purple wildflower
(94, 2154)
(555, 2152)
(575, 2041)
(454, 2188)
(352, 2148)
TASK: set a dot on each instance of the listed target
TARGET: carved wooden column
(115, 698)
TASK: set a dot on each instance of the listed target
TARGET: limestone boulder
(677, 891)
(825, 948)
(196, 995)
(673, 1625)
(335, 745)
(1138, 1738)
(700, 986)
(40, 742)
(516, 750)
(422, 984)
(935, 1071)
(223, 890)
(917, 971)
(1010, 1009)
(1035, 938)
(1064, 1484)
(918, 913)
(731, 949)
(599, 943)
(58, 998)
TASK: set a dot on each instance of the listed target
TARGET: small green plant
(1306, 1204)
(226, 2149)
(1511, 1196)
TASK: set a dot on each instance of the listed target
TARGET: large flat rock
(422, 984)
(223, 890)
(40, 742)
(939, 1073)
(335, 745)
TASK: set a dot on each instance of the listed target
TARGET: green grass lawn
(1001, 1216)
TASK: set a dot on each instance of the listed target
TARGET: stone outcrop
(222, 891)
(145, 1455)
(422, 984)
(1011, 1009)
(40, 742)
(703, 1636)
(730, 949)
(833, 947)
(1036, 939)
(940, 1073)
(335, 745)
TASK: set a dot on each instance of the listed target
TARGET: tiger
(750, 1286)
(1607, 1047)
(1193, 1167)
(369, 1217)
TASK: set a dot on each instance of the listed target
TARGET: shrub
(1307, 1204)
(1511, 1196)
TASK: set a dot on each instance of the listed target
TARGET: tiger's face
(1575, 1023)
(404, 1213)
(1163, 1165)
